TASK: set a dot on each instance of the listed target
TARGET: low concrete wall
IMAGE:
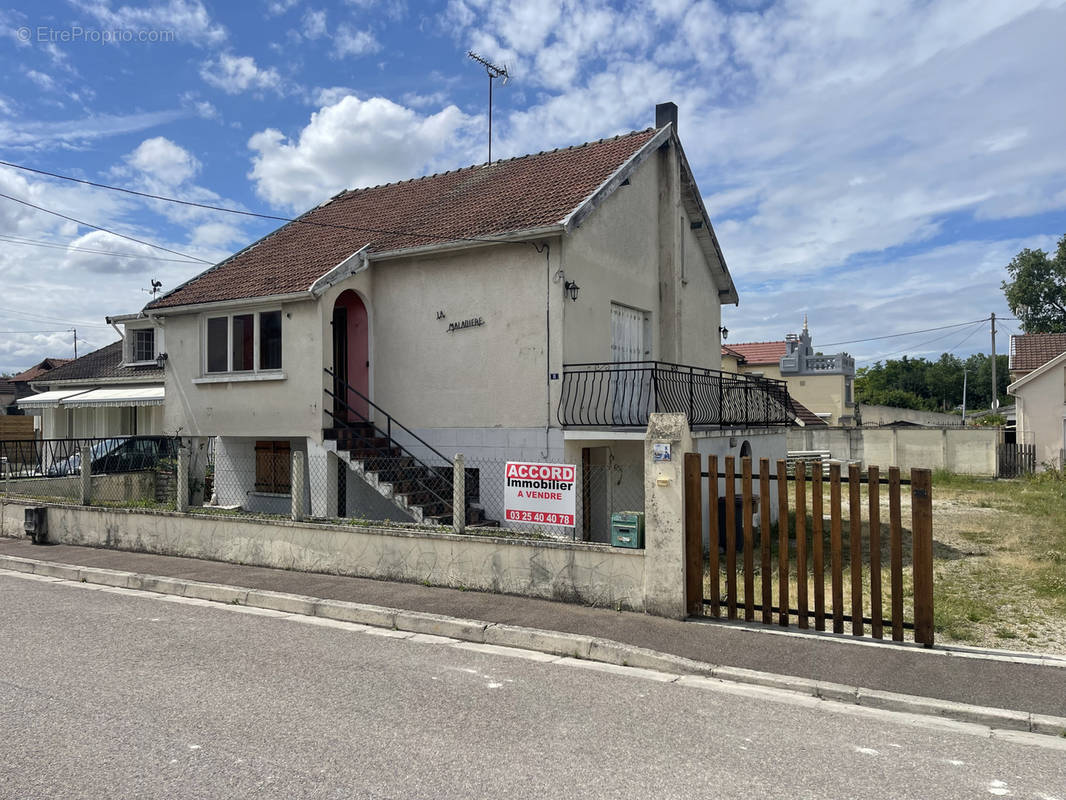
(872, 416)
(117, 488)
(581, 573)
(968, 451)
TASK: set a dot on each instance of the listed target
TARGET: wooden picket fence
(806, 541)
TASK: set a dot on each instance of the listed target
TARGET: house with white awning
(114, 391)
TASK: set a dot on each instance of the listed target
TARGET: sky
(871, 165)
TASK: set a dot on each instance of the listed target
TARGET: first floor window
(143, 344)
(273, 467)
(243, 342)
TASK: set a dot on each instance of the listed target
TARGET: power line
(59, 246)
(105, 230)
(54, 330)
(908, 333)
(38, 317)
(255, 214)
(918, 347)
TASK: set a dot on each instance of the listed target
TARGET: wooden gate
(809, 548)
(1016, 460)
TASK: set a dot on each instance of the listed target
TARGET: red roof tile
(1032, 350)
(760, 352)
(37, 370)
(507, 196)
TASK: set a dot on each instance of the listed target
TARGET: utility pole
(995, 394)
(964, 397)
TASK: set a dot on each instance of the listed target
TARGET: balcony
(622, 395)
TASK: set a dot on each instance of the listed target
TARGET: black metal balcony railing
(622, 395)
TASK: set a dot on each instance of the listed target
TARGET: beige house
(823, 384)
(537, 308)
(1039, 390)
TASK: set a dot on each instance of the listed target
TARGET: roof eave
(1036, 373)
(257, 300)
(511, 237)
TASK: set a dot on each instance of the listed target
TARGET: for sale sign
(539, 493)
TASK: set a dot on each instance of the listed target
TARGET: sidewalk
(997, 681)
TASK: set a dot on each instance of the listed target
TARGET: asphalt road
(108, 693)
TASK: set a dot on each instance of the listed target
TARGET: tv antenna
(494, 72)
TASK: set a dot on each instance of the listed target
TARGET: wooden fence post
(712, 536)
(922, 556)
(749, 541)
(693, 536)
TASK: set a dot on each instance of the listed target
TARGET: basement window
(246, 343)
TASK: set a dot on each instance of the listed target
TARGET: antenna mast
(493, 72)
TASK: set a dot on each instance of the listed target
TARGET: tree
(1036, 293)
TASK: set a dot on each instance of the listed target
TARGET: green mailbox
(627, 529)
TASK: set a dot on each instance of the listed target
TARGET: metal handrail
(623, 394)
(388, 417)
(435, 470)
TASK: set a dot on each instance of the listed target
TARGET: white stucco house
(114, 391)
(1038, 370)
(536, 308)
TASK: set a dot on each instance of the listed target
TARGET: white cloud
(76, 132)
(314, 24)
(187, 19)
(235, 74)
(349, 41)
(162, 159)
(329, 96)
(354, 143)
(43, 81)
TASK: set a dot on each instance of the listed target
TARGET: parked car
(123, 454)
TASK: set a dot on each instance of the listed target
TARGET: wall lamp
(722, 329)
(161, 359)
(571, 289)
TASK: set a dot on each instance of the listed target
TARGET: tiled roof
(487, 200)
(102, 364)
(760, 352)
(809, 418)
(728, 351)
(1032, 350)
(37, 370)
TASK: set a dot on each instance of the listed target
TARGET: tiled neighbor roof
(486, 200)
(760, 352)
(809, 418)
(101, 365)
(1032, 350)
(37, 370)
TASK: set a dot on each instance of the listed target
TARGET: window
(273, 467)
(243, 342)
(143, 344)
(270, 340)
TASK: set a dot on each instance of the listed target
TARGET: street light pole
(964, 396)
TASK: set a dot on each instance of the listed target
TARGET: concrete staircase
(421, 491)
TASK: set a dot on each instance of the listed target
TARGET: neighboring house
(824, 384)
(536, 308)
(21, 383)
(7, 396)
(1038, 373)
(114, 391)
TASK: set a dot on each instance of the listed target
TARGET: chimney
(664, 113)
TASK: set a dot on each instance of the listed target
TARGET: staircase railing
(443, 474)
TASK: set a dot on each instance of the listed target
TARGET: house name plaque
(476, 322)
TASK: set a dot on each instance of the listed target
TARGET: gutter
(515, 237)
(267, 299)
(357, 262)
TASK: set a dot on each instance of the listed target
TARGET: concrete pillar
(86, 460)
(181, 485)
(459, 494)
(299, 486)
(664, 516)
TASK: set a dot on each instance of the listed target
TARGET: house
(823, 384)
(536, 308)
(114, 391)
(21, 384)
(1038, 375)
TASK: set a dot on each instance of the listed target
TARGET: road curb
(567, 645)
